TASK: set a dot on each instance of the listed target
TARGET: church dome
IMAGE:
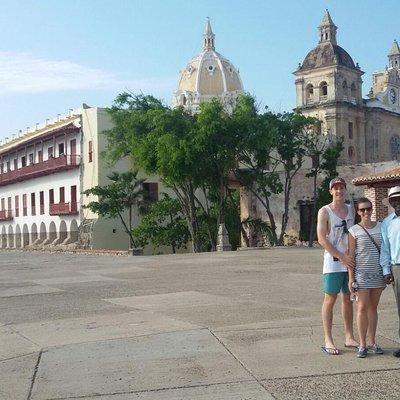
(327, 54)
(206, 76)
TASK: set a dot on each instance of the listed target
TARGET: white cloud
(25, 73)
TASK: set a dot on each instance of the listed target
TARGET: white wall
(64, 179)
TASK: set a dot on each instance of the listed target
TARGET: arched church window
(350, 152)
(395, 147)
(184, 100)
(353, 90)
(350, 130)
(323, 89)
(344, 87)
(309, 92)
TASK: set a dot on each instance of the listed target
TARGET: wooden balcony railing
(6, 215)
(47, 167)
(64, 209)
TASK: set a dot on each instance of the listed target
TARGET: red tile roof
(384, 176)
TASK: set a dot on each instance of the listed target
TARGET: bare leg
(347, 313)
(362, 315)
(327, 317)
(375, 295)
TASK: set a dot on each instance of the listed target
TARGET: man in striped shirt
(390, 248)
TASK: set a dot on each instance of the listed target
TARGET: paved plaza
(239, 325)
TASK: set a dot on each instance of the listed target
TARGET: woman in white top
(364, 245)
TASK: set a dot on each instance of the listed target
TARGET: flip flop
(351, 346)
(330, 351)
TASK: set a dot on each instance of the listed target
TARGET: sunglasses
(365, 209)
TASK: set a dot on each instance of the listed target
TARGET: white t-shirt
(338, 238)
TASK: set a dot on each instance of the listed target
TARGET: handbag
(372, 239)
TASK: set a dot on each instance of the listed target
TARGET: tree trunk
(186, 198)
(244, 236)
(285, 216)
(173, 244)
(127, 230)
(130, 226)
(211, 238)
(271, 219)
(313, 213)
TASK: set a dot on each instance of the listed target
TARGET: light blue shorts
(336, 282)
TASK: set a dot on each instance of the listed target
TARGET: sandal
(375, 349)
(362, 352)
(330, 351)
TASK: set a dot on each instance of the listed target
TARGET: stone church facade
(329, 87)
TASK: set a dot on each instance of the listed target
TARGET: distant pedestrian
(333, 223)
(390, 250)
(364, 245)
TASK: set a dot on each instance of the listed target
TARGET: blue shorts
(335, 282)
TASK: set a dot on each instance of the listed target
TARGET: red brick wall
(376, 194)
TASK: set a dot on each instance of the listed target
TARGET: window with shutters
(51, 196)
(24, 205)
(62, 195)
(33, 204)
(16, 206)
(41, 200)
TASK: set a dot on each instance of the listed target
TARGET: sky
(57, 54)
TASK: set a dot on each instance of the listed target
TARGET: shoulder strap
(372, 239)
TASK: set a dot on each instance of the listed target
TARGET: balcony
(50, 166)
(64, 209)
(6, 215)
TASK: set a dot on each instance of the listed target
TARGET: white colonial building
(43, 174)
(45, 170)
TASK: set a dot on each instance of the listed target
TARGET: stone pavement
(241, 325)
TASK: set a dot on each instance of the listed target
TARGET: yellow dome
(207, 76)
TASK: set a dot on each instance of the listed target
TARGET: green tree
(315, 145)
(163, 225)
(158, 139)
(290, 156)
(329, 168)
(216, 141)
(119, 199)
(256, 170)
(271, 155)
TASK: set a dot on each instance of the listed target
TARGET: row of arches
(22, 236)
(322, 90)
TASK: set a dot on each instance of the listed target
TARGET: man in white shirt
(390, 248)
(333, 222)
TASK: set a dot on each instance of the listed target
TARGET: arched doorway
(52, 232)
(62, 232)
(42, 232)
(73, 231)
(34, 233)
(3, 237)
(25, 236)
(18, 237)
(11, 241)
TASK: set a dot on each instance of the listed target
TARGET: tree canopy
(197, 155)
